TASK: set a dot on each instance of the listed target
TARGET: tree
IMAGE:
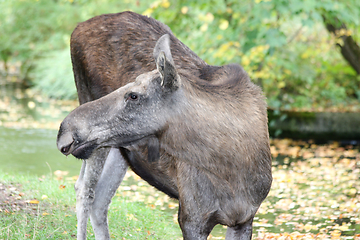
(350, 50)
(283, 45)
(286, 46)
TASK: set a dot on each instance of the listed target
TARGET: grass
(44, 208)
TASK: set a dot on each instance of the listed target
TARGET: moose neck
(198, 127)
(209, 127)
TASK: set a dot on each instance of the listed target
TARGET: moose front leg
(240, 232)
(112, 175)
(85, 189)
(194, 225)
(197, 209)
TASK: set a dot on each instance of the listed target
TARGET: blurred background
(305, 54)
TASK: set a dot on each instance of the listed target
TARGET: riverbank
(319, 126)
(29, 109)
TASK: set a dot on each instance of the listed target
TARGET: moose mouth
(84, 151)
(81, 151)
(68, 144)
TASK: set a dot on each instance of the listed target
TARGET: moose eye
(133, 96)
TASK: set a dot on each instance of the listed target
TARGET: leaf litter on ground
(315, 194)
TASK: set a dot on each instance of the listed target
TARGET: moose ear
(170, 79)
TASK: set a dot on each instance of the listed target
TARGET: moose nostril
(66, 149)
(65, 142)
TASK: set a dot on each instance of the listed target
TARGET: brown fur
(214, 147)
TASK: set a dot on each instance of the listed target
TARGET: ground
(10, 198)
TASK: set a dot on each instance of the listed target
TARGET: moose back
(194, 131)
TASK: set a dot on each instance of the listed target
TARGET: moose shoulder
(194, 131)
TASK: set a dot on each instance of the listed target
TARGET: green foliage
(31, 28)
(37, 35)
(53, 75)
(283, 45)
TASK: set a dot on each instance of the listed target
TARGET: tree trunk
(350, 50)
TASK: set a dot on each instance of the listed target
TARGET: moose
(194, 131)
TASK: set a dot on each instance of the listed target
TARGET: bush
(53, 75)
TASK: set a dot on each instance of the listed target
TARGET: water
(26, 143)
(33, 151)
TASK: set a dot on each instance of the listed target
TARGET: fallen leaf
(335, 234)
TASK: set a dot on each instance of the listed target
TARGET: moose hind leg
(85, 189)
(112, 175)
(240, 232)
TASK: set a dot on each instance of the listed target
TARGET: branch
(350, 50)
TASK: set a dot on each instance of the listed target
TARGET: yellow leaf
(165, 4)
(307, 227)
(245, 61)
(287, 71)
(224, 24)
(131, 217)
(45, 214)
(304, 55)
(344, 227)
(60, 173)
(172, 205)
(34, 201)
(223, 48)
(335, 234)
(148, 12)
(209, 17)
(31, 105)
(184, 10)
(342, 32)
(281, 84)
(352, 191)
(204, 27)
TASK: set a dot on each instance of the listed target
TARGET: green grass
(54, 216)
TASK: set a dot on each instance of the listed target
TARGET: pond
(33, 151)
(28, 123)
